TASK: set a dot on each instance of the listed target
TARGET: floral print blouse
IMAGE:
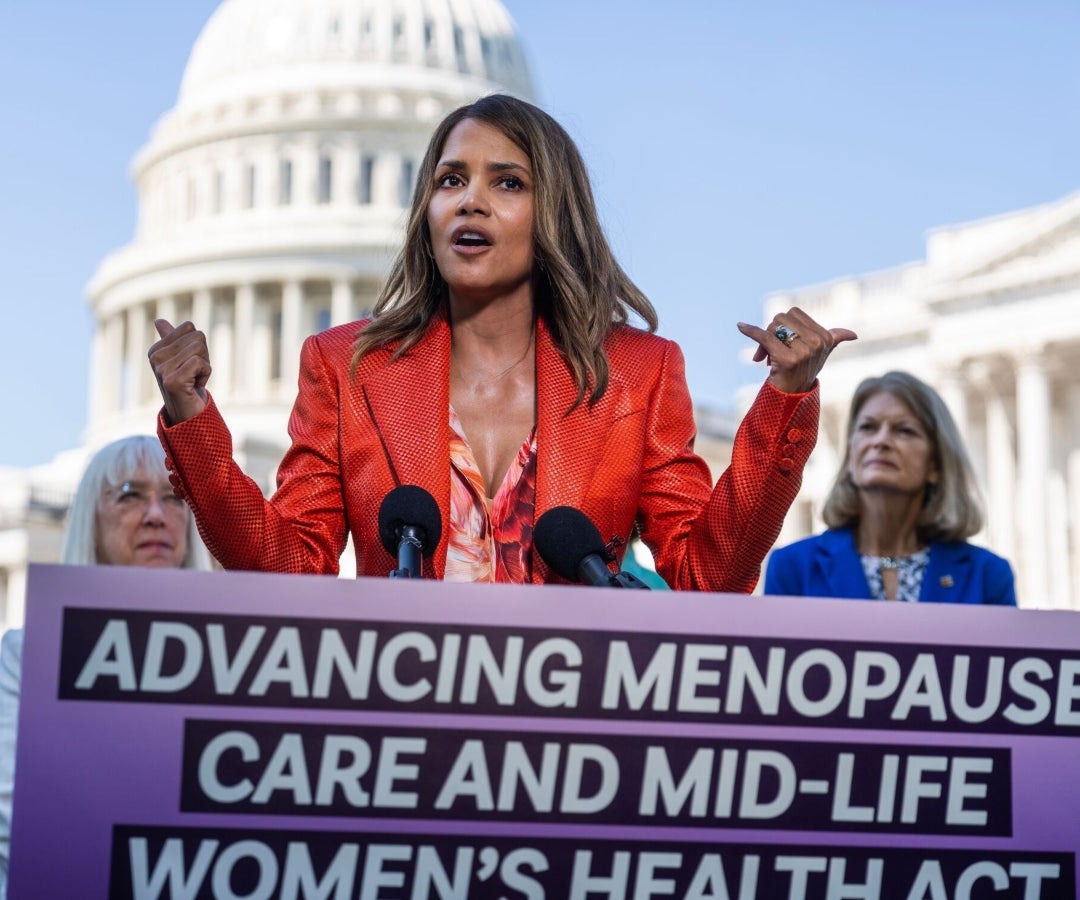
(490, 539)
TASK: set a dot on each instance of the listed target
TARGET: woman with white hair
(124, 514)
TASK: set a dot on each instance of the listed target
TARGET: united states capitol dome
(272, 195)
(261, 64)
(251, 46)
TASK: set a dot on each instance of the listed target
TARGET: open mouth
(466, 238)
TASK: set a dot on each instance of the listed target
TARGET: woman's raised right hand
(181, 364)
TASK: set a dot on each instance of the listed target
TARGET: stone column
(1072, 490)
(106, 363)
(1033, 438)
(202, 309)
(292, 318)
(1000, 476)
(244, 329)
(234, 169)
(306, 172)
(953, 387)
(954, 393)
(266, 176)
(382, 38)
(116, 361)
(97, 356)
(1057, 543)
(221, 339)
(166, 309)
(15, 600)
(341, 302)
(136, 367)
(346, 161)
(260, 341)
(386, 180)
(1072, 487)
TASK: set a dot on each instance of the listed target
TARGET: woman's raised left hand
(795, 347)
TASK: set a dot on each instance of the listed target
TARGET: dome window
(285, 182)
(459, 48)
(366, 37)
(399, 44)
(430, 52)
(277, 324)
(326, 178)
(363, 183)
(408, 175)
(249, 187)
(486, 54)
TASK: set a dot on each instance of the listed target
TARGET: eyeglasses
(138, 497)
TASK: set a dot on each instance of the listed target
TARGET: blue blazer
(828, 565)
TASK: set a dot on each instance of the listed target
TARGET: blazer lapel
(947, 574)
(567, 446)
(839, 563)
(409, 403)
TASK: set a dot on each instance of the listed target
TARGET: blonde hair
(110, 467)
(580, 289)
(952, 509)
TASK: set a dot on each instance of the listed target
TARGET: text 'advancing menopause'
(238, 661)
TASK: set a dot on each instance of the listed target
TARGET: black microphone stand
(628, 580)
(408, 554)
(593, 570)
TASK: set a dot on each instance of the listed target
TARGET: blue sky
(735, 149)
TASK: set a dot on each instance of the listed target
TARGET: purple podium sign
(241, 735)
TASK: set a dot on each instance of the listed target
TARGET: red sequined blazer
(628, 458)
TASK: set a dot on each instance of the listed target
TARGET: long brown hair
(581, 291)
(951, 509)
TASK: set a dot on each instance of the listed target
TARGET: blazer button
(794, 435)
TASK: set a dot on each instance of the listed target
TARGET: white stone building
(991, 318)
(271, 199)
(272, 196)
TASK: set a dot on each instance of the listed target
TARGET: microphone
(410, 526)
(569, 542)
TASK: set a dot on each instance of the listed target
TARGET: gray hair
(952, 509)
(110, 467)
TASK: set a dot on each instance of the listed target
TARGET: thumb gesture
(181, 364)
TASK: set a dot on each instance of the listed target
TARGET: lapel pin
(946, 581)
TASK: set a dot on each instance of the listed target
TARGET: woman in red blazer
(500, 374)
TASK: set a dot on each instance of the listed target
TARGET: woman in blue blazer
(900, 511)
